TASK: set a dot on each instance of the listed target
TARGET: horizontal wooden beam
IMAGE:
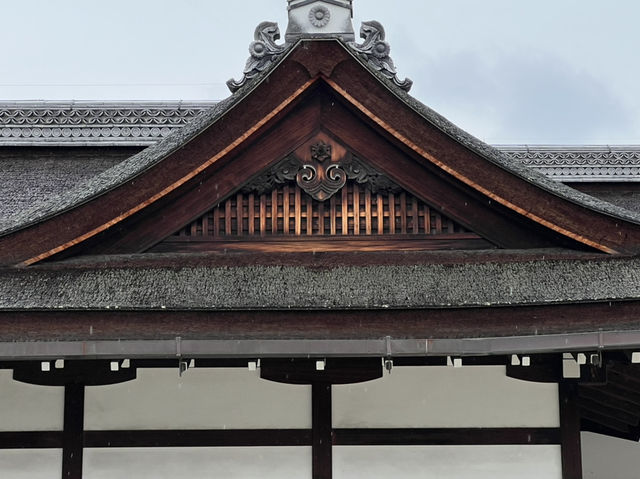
(31, 440)
(199, 438)
(284, 437)
(454, 323)
(445, 437)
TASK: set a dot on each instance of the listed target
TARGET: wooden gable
(409, 182)
(322, 197)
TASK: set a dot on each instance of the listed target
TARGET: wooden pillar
(72, 436)
(322, 430)
(570, 430)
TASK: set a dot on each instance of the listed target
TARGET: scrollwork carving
(321, 178)
(375, 51)
(264, 52)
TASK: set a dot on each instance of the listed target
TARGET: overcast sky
(507, 71)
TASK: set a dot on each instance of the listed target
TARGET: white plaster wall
(474, 396)
(31, 464)
(448, 462)
(200, 399)
(25, 407)
(609, 458)
(199, 463)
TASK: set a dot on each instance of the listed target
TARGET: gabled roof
(216, 146)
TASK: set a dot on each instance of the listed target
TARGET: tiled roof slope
(144, 124)
(91, 123)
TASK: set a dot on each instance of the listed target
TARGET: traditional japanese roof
(195, 223)
(93, 123)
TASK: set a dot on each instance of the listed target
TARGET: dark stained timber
(322, 433)
(570, 431)
(445, 437)
(72, 436)
(283, 437)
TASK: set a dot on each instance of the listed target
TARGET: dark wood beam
(570, 431)
(30, 440)
(322, 440)
(322, 324)
(199, 438)
(72, 436)
(336, 370)
(446, 437)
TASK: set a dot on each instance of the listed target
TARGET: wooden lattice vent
(320, 204)
(289, 211)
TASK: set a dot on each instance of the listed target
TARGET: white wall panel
(31, 464)
(200, 399)
(25, 407)
(606, 457)
(199, 463)
(474, 396)
(447, 462)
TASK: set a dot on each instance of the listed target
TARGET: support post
(72, 436)
(322, 440)
(570, 430)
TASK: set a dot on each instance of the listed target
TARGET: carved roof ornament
(375, 51)
(320, 19)
(321, 177)
(264, 52)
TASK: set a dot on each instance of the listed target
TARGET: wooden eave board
(284, 111)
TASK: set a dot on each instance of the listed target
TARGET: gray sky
(507, 71)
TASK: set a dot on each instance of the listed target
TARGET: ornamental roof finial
(319, 19)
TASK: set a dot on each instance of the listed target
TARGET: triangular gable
(316, 198)
(321, 88)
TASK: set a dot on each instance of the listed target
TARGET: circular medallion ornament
(319, 16)
(257, 49)
(381, 49)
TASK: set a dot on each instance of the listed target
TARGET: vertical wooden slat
(414, 215)
(367, 210)
(274, 212)
(298, 212)
(427, 220)
(310, 216)
(570, 430)
(380, 213)
(450, 226)
(227, 217)
(73, 434)
(322, 441)
(252, 214)
(216, 221)
(193, 228)
(239, 214)
(263, 215)
(345, 211)
(321, 215)
(332, 217)
(356, 210)
(403, 212)
(285, 210)
(392, 213)
(438, 223)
